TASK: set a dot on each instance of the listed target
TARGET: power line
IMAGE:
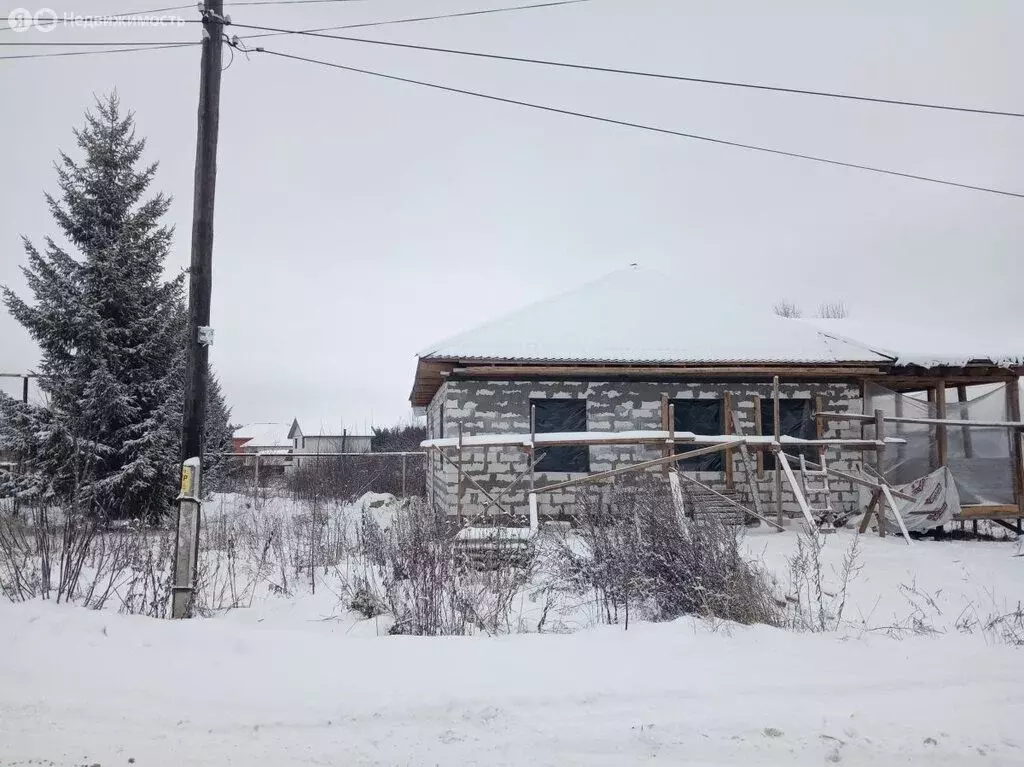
(424, 18)
(93, 53)
(125, 14)
(640, 126)
(630, 72)
(143, 43)
(289, 2)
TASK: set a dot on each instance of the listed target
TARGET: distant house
(270, 440)
(325, 442)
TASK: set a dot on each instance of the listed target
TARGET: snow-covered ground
(301, 680)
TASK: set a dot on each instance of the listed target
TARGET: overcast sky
(359, 220)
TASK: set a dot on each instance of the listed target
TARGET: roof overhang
(431, 373)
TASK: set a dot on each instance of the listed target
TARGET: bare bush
(787, 309)
(417, 569)
(641, 557)
(835, 310)
(345, 478)
(812, 604)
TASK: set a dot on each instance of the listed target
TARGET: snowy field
(908, 676)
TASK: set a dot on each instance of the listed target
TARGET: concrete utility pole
(200, 283)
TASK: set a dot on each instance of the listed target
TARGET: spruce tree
(111, 333)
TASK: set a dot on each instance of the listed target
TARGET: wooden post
(665, 427)
(727, 429)
(961, 397)
(671, 429)
(933, 447)
(458, 491)
(901, 450)
(1013, 411)
(819, 426)
(759, 430)
(777, 449)
(880, 459)
(403, 475)
(941, 431)
(532, 457)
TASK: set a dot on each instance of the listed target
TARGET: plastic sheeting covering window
(978, 458)
(796, 418)
(700, 416)
(557, 415)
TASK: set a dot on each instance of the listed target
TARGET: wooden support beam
(748, 466)
(875, 498)
(475, 484)
(927, 421)
(941, 435)
(1016, 452)
(854, 478)
(896, 513)
(781, 460)
(636, 467)
(776, 410)
(664, 427)
(830, 372)
(880, 436)
(961, 397)
(459, 475)
(759, 430)
(727, 429)
(901, 451)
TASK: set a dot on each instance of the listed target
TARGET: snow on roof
(912, 344)
(264, 435)
(639, 315)
(643, 316)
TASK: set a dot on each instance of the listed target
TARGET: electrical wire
(629, 72)
(127, 14)
(424, 18)
(640, 126)
(98, 43)
(94, 53)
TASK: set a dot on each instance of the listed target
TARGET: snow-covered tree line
(112, 335)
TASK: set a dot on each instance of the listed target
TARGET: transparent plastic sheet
(978, 458)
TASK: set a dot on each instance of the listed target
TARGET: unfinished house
(623, 371)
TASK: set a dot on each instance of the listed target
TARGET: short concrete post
(186, 544)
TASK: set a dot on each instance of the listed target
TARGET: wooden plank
(776, 417)
(880, 436)
(1016, 453)
(941, 434)
(781, 460)
(961, 397)
(498, 370)
(635, 467)
(666, 451)
(759, 430)
(748, 466)
(475, 484)
(677, 495)
(896, 513)
(1013, 424)
(989, 511)
(727, 429)
(853, 478)
(875, 498)
(459, 474)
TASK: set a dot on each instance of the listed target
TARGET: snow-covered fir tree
(110, 328)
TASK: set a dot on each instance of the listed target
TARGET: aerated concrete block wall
(496, 407)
